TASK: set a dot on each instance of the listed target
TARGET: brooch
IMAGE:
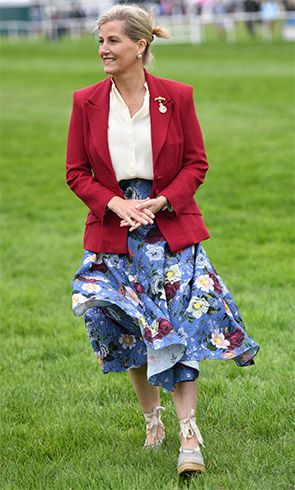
(162, 108)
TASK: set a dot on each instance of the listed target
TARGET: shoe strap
(189, 428)
(153, 419)
(189, 450)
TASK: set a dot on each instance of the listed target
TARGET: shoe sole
(191, 468)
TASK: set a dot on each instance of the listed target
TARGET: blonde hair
(138, 24)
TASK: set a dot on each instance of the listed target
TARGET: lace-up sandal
(190, 460)
(155, 430)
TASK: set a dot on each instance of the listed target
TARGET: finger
(142, 218)
(130, 221)
(146, 204)
(137, 225)
(149, 213)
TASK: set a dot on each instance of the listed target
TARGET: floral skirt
(167, 309)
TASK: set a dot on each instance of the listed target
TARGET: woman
(152, 302)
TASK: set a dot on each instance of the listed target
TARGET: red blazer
(179, 162)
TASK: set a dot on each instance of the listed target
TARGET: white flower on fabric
(227, 308)
(127, 341)
(112, 260)
(157, 286)
(183, 335)
(205, 283)
(78, 299)
(218, 339)
(198, 306)
(154, 253)
(202, 260)
(103, 351)
(172, 274)
(91, 287)
(154, 327)
(90, 258)
(131, 295)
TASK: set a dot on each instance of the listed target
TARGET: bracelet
(167, 205)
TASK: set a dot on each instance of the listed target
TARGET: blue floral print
(169, 310)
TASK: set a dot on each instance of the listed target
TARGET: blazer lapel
(98, 113)
(97, 108)
(159, 120)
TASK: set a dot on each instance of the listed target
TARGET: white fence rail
(184, 29)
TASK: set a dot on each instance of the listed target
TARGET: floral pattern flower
(205, 283)
(154, 252)
(218, 339)
(198, 306)
(167, 309)
(172, 274)
(91, 288)
(127, 341)
(171, 289)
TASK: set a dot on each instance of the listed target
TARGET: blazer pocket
(191, 209)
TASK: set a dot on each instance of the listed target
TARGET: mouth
(108, 60)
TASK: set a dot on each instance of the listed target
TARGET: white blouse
(129, 138)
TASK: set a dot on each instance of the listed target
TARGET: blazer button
(159, 177)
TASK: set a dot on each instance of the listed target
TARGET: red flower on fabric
(216, 284)
(130, 253)
(147, 334)
(99, 267)
(84, 279)
(164, 328)
(138, 287)
(235, 337)
(154, 235)
(170, 289)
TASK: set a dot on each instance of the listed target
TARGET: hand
(128, 211)
(152, 205)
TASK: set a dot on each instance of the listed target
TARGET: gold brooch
(162, 108)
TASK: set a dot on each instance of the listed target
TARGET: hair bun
(160, 31)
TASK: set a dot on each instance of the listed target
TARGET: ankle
(190, 443)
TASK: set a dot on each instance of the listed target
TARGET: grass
(64, 424)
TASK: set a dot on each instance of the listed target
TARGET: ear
(141, 44)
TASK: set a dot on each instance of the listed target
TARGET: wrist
(112, 202)
(166, 203)
(162, 199)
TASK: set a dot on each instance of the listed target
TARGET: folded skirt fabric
(167, 309)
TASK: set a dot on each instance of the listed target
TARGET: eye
(100, 41)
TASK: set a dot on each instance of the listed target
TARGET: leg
(185, 399)
(190, 458)
(149, 398)
(147, 395)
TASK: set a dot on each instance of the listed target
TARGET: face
(118, 53)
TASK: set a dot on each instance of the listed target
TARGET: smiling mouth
(108, 60)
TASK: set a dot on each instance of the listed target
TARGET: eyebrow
(111, 35)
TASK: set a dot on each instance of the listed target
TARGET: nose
(103, 48)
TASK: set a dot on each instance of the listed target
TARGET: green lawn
(64, 424)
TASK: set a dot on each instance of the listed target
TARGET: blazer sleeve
(79, 175)
(183, 187)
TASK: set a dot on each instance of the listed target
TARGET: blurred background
(188, 20)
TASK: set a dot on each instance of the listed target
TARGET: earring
(139, 55)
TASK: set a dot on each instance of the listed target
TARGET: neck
(131, 82)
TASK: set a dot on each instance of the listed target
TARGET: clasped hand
(136, 212)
